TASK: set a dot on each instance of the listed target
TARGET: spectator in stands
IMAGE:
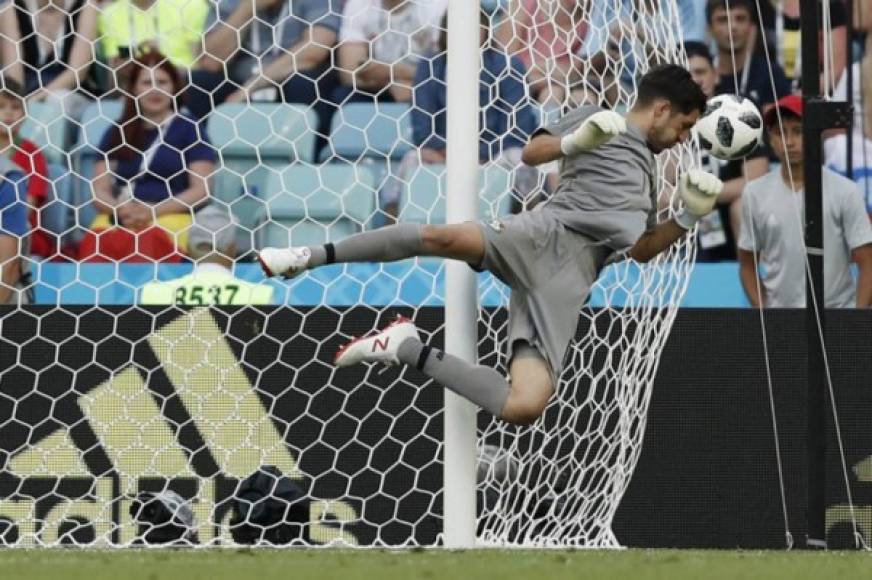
(508, 118)
(861, 89)
(717, 240)
(836, 147)
(26, 156)
(548, 37)
(212, 246)
(862, 17)
(13, 234)
(56, 46)
(381, 44)
(154, 173)
(268, 50)
(626, 36)
(691, 16)
(129, 28)
(772, 228)
(734, 30)
(780, 19)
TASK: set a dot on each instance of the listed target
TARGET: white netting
(102, 399)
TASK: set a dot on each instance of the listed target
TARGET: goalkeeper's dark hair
(673, 83)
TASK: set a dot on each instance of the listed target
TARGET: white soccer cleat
(380, 347)
(287, 262)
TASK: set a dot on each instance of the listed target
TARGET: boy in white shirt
(773, 227)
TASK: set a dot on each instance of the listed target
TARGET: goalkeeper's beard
(657, 144)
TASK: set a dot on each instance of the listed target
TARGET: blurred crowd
(171, 64)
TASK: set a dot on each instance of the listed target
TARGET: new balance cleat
(380, 347)
(287, 262)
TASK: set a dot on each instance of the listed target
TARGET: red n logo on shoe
(377, 343)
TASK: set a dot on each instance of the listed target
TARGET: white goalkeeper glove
(596, 130)
(699, 190)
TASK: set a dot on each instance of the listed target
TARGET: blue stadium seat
(47, 127)
(377, 130)
(96, 120)
(424, 197)
(253, 143)
(57, 215)
(54, 214)
(271, 130)
(309, 205)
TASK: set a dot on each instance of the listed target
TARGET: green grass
(428, 564)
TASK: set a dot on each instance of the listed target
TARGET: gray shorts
(550, 270)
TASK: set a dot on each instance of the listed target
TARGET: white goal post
(461, 293)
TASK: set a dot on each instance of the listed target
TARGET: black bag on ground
(270, 507)
(163, 518)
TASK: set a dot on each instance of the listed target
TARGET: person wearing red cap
(789, 106)
(771, 235)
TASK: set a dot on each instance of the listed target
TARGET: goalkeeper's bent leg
(520, 403)
(482, 385)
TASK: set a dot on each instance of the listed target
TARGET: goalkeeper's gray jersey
(609, 193)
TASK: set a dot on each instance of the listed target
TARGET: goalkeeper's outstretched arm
(656, 240)
(543, 148)
(596, 130)
(699, 191)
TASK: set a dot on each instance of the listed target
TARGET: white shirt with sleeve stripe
(405, 34)
(773, 218)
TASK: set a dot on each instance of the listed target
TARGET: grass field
(429, 564)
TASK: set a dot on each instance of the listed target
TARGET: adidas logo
(847, 515)
(210, 429)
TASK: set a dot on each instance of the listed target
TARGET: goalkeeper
(603, 209)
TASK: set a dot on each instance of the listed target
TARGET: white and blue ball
(730, 128)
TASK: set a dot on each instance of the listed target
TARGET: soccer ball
(729, 128)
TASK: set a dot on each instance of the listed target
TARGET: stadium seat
(271, 130)
(253, 143)
(424, 197)
(55, 212)
(309, 205)
(47, 126)
(96, 119)
(375, 130)
(57, 215)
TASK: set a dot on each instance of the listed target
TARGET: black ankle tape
(330, 253)
(422, 358)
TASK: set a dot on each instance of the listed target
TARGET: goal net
(129, 414)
